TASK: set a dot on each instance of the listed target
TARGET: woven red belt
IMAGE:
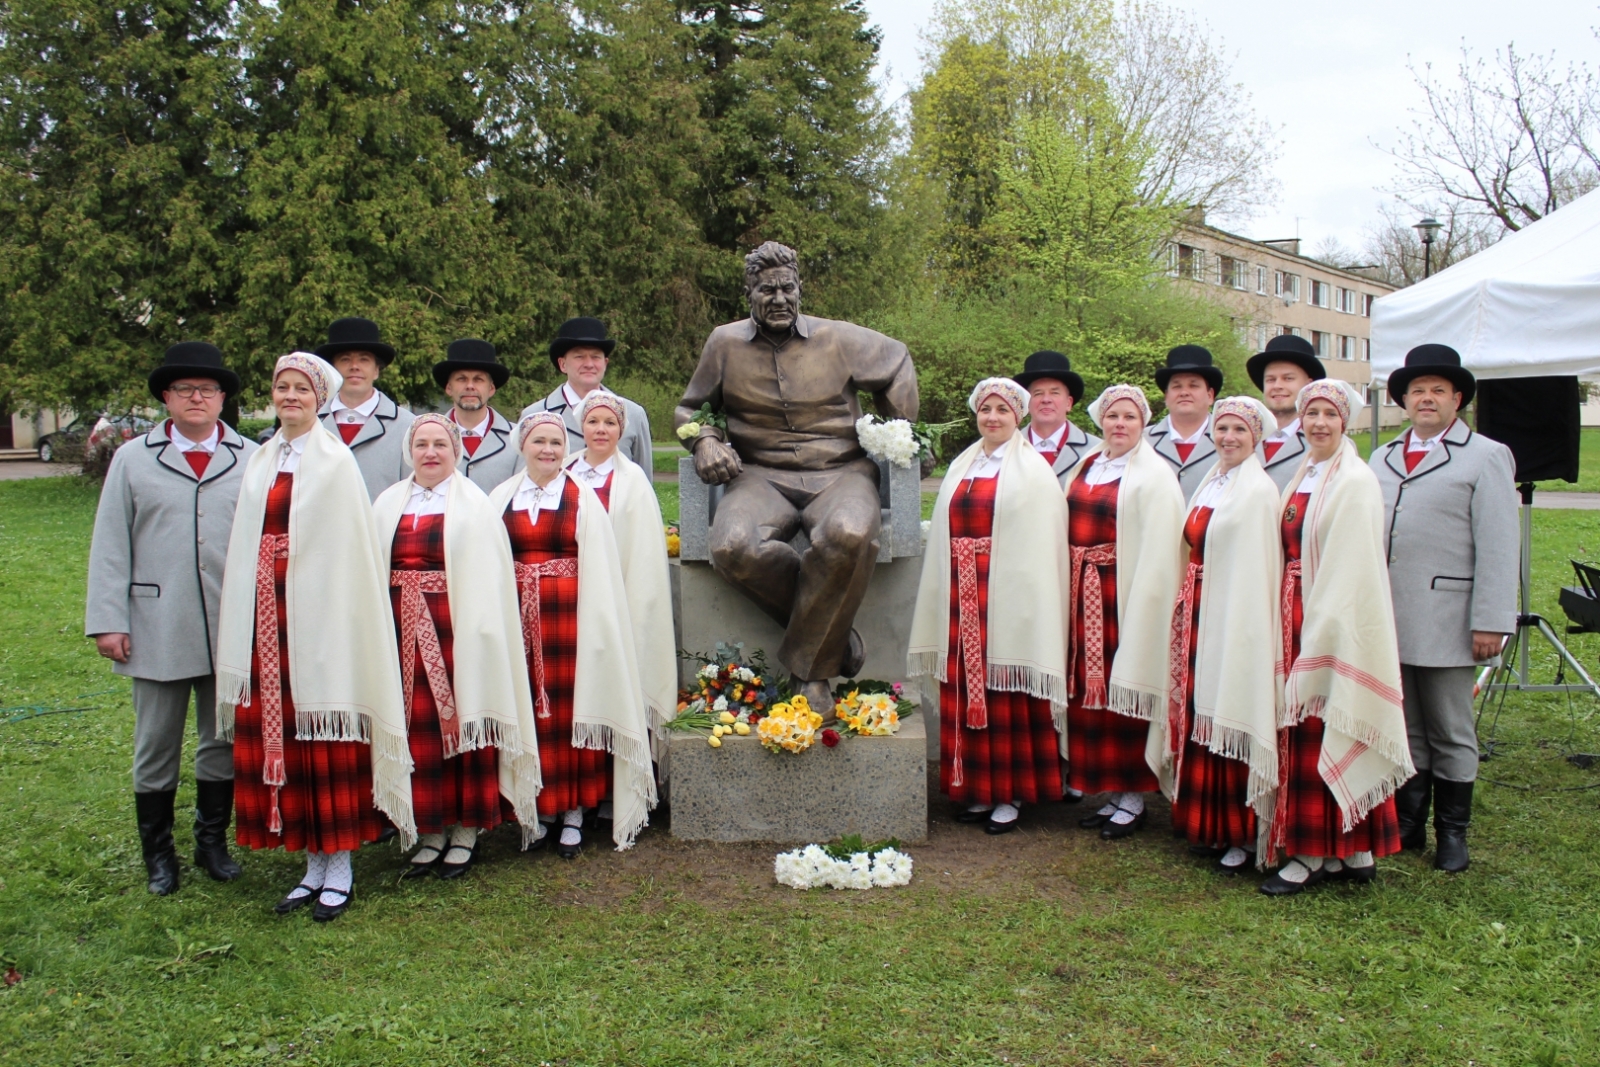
(273, 548)
(1086, 563)
(418, 635)
(1178, 661)
(528, 576)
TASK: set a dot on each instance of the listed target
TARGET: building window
(1321, 294)
(1366, 350)
(1188, 262)
(1286, 285)
(1322, 342)
(1346, 300)
(1231, 272)
(1365, 300)
(1262, 332)
(1261, 280)
(1347, 347)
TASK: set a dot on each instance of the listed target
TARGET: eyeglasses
(207, 392)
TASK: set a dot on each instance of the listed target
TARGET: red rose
(830, 737)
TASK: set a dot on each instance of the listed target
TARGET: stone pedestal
(873, 786)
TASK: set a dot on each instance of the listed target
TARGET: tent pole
(1375, 391)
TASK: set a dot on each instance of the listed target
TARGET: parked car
(71, 442)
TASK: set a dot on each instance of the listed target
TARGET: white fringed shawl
(1149, 564)
(608, 711)
(642, 546)
(493, 702)
(1236, 694)
(344, 669)
(1028, 582)
(1348, 671)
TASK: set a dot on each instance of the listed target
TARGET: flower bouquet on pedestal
(849, 864)
(871, 708)
(730, 696)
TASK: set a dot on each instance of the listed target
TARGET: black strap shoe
(213, 808)
(569, 852)
(450, 870)
(290, 902)
(1276, 885)
(1452, 812)
(326, 913)
(968, 816)
(154, 812)
(423, 865)
(1111, 831)
(1096, 820)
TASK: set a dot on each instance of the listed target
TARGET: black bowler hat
(1189, 359)
(1285, 348)
(469, 353)
(1440, 361)
(355, 335)
(1050, 364)
(581, 331)
(192, 359)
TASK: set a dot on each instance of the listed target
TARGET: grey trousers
(160, 715)
(1438, 702)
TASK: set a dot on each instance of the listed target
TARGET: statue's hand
(715, 462)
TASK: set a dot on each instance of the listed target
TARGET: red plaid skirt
(464, 789)
(1105, 750)
(1311, 815)
(1015, 757)
(326, 803)
(573, 777)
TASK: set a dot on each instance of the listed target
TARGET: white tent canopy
(1529, 305)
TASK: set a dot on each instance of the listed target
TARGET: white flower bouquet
(851, 864)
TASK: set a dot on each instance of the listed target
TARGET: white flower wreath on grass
(813, 867)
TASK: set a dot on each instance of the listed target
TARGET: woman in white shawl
(589, 713)
(308, 680)
(1220, 761)
(625, 489)
(468, 709)
(999, 524)
(1125, 532)
(1342, 733)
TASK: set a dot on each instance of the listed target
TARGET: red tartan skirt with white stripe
(464, 789)
(326, 803)
(1307, 810)
(1105, 750)
(1015, 757)
(573, 777)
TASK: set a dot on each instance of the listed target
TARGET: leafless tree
(1394, 248)
(1508, 140)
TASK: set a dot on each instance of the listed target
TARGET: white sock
(571, 827)
(1108, 809)
(462, 838)
(980, 807)
(1005, 813)
(1072, 794)
(340, 877)
(1332, 865)
(572, 818)
(316, 871)
(427, 842)
(1235, 857)
(1298, 869)
(1129, 807)
(1359, 860)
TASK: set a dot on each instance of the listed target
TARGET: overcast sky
(1333, 78)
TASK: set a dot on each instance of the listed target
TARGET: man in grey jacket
(1288, 365)
(1190, 383)
(1054, 388)
(1450, 509)
(582, 351)
(369, 421)
(155, 580)
(470, 374)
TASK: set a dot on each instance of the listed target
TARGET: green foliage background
(245, 172)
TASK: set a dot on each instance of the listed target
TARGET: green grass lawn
(1043, 947)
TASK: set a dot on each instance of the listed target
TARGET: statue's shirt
(794, 406)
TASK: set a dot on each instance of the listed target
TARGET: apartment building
(1270, 288)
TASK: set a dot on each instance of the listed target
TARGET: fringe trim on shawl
(929, 663)
(1238, 745)
(1341, 721)
(232, 688)
(1131, 702)
(340, 725)
(636, 753)
(1014, 678)
(532, 831)
(485, 733)
(391, 782)
(1362, 805)
(526, 782)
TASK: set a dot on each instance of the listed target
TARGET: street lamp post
(1429, 229)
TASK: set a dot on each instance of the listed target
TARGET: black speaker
(1537, 418)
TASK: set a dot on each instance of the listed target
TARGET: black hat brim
(168, 373)
(499, 373)
(380, 351)
(1256, 365)
(1460, 377)
(562, 345)
(1070, 379)
(1212, 376)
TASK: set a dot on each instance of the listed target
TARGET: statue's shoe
(819, 695)
(855, 656)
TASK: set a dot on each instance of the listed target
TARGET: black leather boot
(213, 807)
(1452, 811)
(154, 811)
(1411, 806)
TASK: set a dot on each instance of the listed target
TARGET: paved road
(15, 469)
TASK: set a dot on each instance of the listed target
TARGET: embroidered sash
(1086, 590)
(273, 773)
(1178, 662)
(528, 576)
(418, 635)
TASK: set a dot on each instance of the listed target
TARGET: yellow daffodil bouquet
(871, 708)
(790, 726)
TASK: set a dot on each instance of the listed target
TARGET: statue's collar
(800, 328)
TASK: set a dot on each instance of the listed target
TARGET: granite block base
(873, 786)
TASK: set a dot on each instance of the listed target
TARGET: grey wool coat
(160, 542)
(1450, 530)
(1285, 462)
(1200, 462)
(1075, 444)
(635, 443)
(380, 446)
(497, 458)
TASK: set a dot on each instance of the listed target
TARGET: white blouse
(533, 499)
(593, 477)
(986, 466)
(1104, 469)
(289, 453)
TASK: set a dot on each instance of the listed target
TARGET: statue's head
(772, 281)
